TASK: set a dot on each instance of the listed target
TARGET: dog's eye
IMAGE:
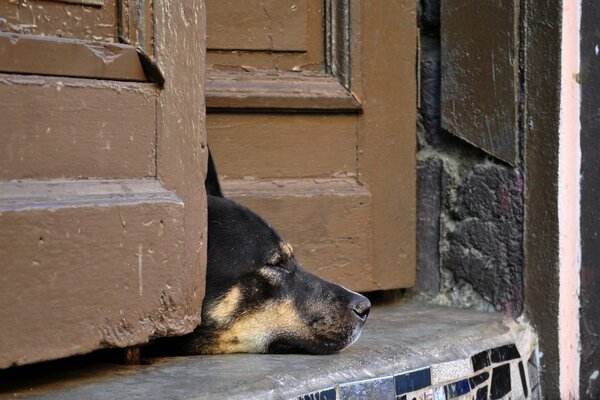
(279, 267)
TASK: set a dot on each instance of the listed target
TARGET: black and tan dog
(259, 299)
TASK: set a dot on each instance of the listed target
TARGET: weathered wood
(274, 91)
(480, 74)
(69, 128)
(286, 43)
(136, 26)
(30, 54)
(374, 148)
(386, 136)
(88, 264)
(283, 145)
(327, 221)
(181, 153)
(60, 19)
(257, 25)
(542, 78)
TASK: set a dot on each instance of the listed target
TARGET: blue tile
(456, 389)
(328, 394)
(412, 381)
(375, 389)
(478, 379)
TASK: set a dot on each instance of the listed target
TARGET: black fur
(287, 308)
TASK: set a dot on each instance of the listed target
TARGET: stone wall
(470, 204)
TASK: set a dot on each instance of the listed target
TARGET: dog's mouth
(337, 338)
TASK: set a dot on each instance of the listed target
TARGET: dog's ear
(211, 183)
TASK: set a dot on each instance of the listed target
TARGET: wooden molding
(31, 54)
(278, 91)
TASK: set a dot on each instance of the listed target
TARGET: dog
(258, 298)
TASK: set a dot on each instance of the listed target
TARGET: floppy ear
(211, 183)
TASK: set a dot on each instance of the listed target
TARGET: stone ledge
(410, 350)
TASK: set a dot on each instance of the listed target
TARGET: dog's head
(260, 300)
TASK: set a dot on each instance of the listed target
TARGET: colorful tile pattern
(413, 380)
(497, 373)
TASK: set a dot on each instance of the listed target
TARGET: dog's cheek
(223, 310)
(254, 331)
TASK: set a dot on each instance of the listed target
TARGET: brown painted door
(102, 160)
(312, 115)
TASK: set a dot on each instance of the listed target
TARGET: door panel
(325, 143)
(85, 265)
(102, 203)
(265, 34)
(326, 154)
(91, 129)
(93, 20)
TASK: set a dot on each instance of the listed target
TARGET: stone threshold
(406, 351)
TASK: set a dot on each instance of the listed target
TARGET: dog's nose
(361, 307)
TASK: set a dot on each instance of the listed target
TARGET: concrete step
(405, 352)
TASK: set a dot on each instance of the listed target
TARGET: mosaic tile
(478, 379)
(424, 394)
(327, 394)
(516, 385)
(523, 378)
(412, 381)
(376, 389)
(482, 393)
(439, 393)
(481, 360)
(500, 382)
(457, 389)
(504, 353)
(451, 371)
(532, 372)
(536, 393)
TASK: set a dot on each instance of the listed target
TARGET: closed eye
(280, 266)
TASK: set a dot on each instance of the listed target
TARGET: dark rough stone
(430, 13)
(430, 102)
(429, 207)
(484, 245)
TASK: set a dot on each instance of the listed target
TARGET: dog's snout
(361, 306)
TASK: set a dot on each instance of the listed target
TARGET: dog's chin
(288, 344)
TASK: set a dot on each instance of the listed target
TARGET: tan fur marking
(251, 334)
(287, 249)
(222, 312)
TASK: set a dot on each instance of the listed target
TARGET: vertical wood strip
(180, 49)
(387, 139)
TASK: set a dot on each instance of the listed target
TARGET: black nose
(361, 306)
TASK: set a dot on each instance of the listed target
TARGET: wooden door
(312, 118)
(102, 162)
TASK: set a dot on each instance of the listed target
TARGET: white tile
(451, 371)
(515, 382)
(439, 393)
(423, 394)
